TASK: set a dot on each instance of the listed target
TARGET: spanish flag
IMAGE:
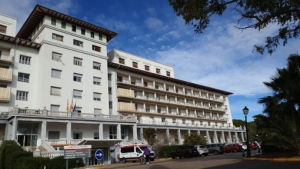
(71, 106)
(67, 107)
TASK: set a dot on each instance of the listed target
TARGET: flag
(67, 108)
(74, 109)
(71, 106)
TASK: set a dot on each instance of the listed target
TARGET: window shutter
(56, 56)
(96, 79)
(56, 73)
(54, 108)
(77, 93)
(97, 111)
(55, 91)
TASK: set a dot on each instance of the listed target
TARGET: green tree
(238, 122)
(149, 135)
(257, 13)
(279, 125)
(194, 139)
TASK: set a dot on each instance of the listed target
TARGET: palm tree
(280, 123)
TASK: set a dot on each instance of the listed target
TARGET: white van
(131, 152)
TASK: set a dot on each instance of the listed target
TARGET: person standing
(147, 154)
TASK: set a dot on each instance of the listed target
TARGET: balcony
(6, 59)
(157, 100)
(66, 115)
(5, 75)
(129, 108)
(4, 95)
(167, 91)
(188, 125)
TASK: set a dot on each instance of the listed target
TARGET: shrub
(167, 149)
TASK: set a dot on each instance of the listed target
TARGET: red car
(232, 148)
(252, 146)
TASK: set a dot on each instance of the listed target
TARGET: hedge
(167, 149)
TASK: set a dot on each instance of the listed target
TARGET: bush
(31, 163)
(267, 148)
(167, 149)
(60, 163)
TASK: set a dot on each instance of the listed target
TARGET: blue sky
(222, 57)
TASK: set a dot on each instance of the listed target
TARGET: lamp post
(245, 111)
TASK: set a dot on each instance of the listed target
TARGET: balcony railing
(6, 59)
(4, 94)
(5, 75)
(169, 90)
(179, 124)
(58, 114)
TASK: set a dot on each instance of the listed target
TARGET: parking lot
(225, 161)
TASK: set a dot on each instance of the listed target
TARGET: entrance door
(27, 140)
(21, 140)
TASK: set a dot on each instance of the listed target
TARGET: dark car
(195, 152)
(215, 148)
(232, 148)
(184, 151)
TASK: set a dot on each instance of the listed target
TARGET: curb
(272, 159)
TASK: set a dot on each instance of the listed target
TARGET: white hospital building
(56, 60)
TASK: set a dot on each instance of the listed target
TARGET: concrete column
(208, 137)
(43, 130)
(141, 134)
(142, 80)
(14, 129)
(156, 108)
(119, 131)
(100, 130)
(167, 109)
(164, 86)
(236, 137)
(177, 111)
(168, 134)
(69, 126)
(242, 133)
(126, 134)
(143, 93)
(144, 107)
(229, 134)
(134, 132)
(223, 137)
(179, 136)
(189, 131)
(6, 131)
(129, 78)
(216, 137)
(198, 132)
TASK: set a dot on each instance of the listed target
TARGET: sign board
(99, 154)
(78, 151)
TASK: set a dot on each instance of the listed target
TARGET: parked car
(215, 149)
(194, 151)
(252, 146)
(202, 150)
(232, 148)
(184, 151)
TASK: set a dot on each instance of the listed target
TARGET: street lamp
(246, 110)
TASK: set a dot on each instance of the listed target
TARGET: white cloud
(154, 23)
(222, 58)
(115, 24)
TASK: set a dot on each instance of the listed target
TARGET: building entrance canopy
(101, 143)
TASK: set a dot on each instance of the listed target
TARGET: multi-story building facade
(58, 86)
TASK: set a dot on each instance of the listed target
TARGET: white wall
(11, 24)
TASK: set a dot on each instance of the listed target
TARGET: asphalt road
(225, 161)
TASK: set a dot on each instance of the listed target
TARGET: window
(77, 94)
(173, 120)
(112, 132)
(25, 60)
(147, 67)
(183, 121)
(157, 70)
(92, 34)
(55, 91)
(77, 77)
(57, 37)
(21, 95)
(100, 37)
(109, 76)
(109, 90)
(78, 61)
(193, 122)
(53, 21)
(77, 135)
(23, 77)
(97, 111)
(73, 28)
(163, 119)
(96, 135)
(78, 109)
(208, 123)
(119, 78)
(96, 48)
(77, 43)
(97, 96)
(82, 31)
(168, 73)
(96, 80)
(110, 105)
(56, 73)
(97, 66)
(63, 25)
(2, 29)
(54, 108)
(135, 64)
(121, 61)
(56, 56)
(53, 135)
